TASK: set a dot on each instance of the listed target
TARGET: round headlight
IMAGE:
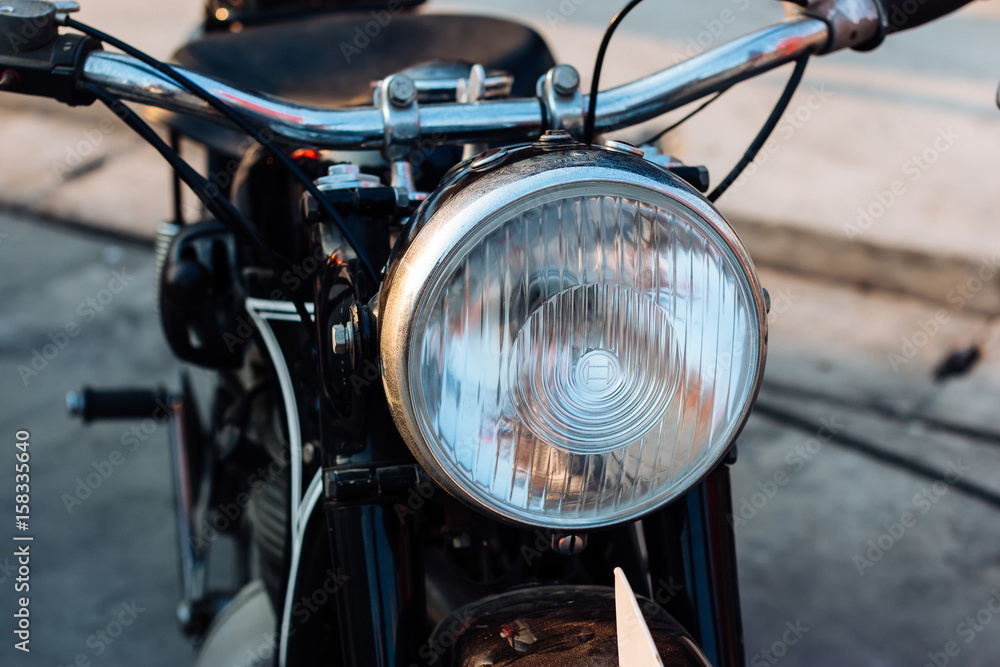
(570, 336)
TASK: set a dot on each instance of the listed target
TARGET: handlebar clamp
(559, 92)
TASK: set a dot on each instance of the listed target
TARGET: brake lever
(35, 59)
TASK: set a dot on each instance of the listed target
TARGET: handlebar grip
(91, 404)
(905, 14)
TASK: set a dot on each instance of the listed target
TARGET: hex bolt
(565, 80)
(402, 91)
(343, 338)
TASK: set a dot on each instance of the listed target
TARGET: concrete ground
(117, 546)
(809, 500)
(851, 434)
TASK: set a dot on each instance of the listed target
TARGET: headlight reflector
(572, 339)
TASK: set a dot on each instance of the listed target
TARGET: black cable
(241, 123)
(683, 120)
(595, 82)
(220, 207)
(765, 132)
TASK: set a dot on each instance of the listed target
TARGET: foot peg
(92, 404)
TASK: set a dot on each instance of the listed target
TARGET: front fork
(692, 562)
(691, 549)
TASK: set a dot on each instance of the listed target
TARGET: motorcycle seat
(332, 59)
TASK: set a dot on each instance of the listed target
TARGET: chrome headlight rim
(469, 207)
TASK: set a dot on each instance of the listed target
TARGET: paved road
(807, 505)
(117, 546)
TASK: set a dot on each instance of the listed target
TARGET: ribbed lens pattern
(584, 359)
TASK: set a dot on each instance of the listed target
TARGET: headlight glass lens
(582, 358)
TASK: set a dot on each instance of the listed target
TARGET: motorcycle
(479, 376)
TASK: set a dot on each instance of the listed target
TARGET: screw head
(402, 91)
(565, 79)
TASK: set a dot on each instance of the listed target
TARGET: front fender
(550, 626)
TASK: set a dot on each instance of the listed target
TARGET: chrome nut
(343, 338)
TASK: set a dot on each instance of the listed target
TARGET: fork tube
(692, 543)
(380, 604)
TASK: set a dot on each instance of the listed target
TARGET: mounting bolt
(568, 545)
(402, 91)
(556, 137)
(565, 80)
(343, 338)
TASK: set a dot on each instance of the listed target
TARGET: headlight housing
(570, 336)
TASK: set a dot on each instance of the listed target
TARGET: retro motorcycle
(468, 358)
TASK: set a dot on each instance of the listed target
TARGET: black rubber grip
(122, 404)
(905, 14)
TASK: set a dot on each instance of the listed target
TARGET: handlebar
(820, 26)
(501, 120)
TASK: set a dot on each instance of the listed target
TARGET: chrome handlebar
(489, 121)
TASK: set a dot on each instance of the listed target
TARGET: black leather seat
(332, 59)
